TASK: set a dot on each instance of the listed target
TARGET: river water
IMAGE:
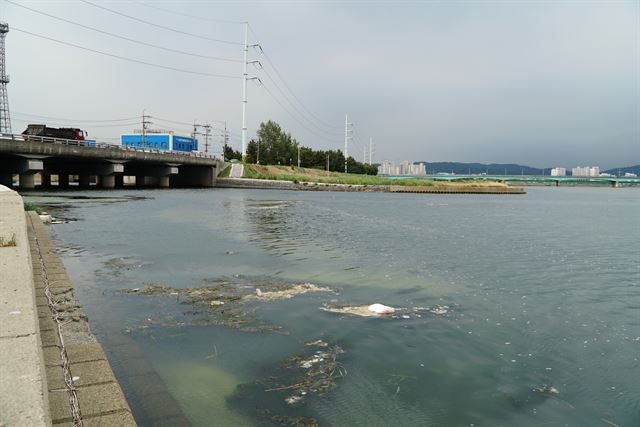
(543, 290)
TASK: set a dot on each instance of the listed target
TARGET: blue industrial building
(160, 141)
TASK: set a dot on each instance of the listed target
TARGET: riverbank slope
(294, 178)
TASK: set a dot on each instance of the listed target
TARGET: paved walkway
(237, 170)
(23, 389)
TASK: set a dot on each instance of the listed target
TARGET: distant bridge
(106, 165)
(538, 180)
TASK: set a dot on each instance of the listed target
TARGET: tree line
(273, 146)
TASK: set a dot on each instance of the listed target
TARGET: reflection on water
(542, 290)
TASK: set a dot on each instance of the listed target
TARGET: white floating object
(381, 309)
(258, 292)
(74, 379)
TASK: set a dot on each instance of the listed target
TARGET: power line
(124, 58)
(333, 133)
(295, 118)
(153, 24)
(266, 56)
(66, 123)
(187, 15)
(126, 119)
(215, 58)
(182, 123)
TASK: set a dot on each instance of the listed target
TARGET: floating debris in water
(365, 311)
(546, 389)
(316, 343)
(228, 301)
(290, 384)
(361, 310)
(291, 292)
(294, 421)
(381, 309)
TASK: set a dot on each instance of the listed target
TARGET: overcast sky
(541, 83)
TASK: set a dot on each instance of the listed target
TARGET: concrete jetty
(52, 369)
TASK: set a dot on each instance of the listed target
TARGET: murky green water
(543, 290)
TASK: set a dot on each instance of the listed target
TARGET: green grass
(28, 206)
(225, 172)
(312, 175)
(336, 178)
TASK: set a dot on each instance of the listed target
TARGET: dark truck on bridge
(62, 133)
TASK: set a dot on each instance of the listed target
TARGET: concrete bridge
(104, 165)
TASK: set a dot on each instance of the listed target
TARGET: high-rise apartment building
(404, 167)
(586, 171)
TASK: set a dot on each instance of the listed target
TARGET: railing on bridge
(99, 145)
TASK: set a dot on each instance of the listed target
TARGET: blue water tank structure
(160, 141)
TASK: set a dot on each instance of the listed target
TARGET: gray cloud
(540, 83)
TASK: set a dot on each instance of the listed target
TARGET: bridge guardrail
(98, 145)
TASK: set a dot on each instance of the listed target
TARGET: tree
(273, 146)
(230, 153)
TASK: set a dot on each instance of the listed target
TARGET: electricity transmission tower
(245, 79)
(5, 120)
(347, 137)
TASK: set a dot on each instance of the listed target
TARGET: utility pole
(347, 137)
(370, 149)
(298, 155)
(327, 162)
(207, 132)
(145, 123)
(364, 154)
(245, 79)
(225, 141)
(244, 87)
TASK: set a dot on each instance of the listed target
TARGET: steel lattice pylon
(5, 119)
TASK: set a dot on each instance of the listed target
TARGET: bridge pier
(197, 176)
(84, 181)
(140, 182)
(63, 180)
(119, 181)
(27, 168)
(108, 181)
(27, 180)
(164, 181)
(152, 176)
(45, 180)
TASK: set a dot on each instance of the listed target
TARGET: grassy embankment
(295, 174)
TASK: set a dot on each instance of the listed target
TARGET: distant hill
(478, 168)
(631, 169)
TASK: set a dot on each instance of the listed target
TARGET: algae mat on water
(227, 301)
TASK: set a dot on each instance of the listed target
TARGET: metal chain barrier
(57, 318)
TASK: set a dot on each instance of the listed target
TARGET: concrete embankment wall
(52, 369)
(314, 186)
(23, 387)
